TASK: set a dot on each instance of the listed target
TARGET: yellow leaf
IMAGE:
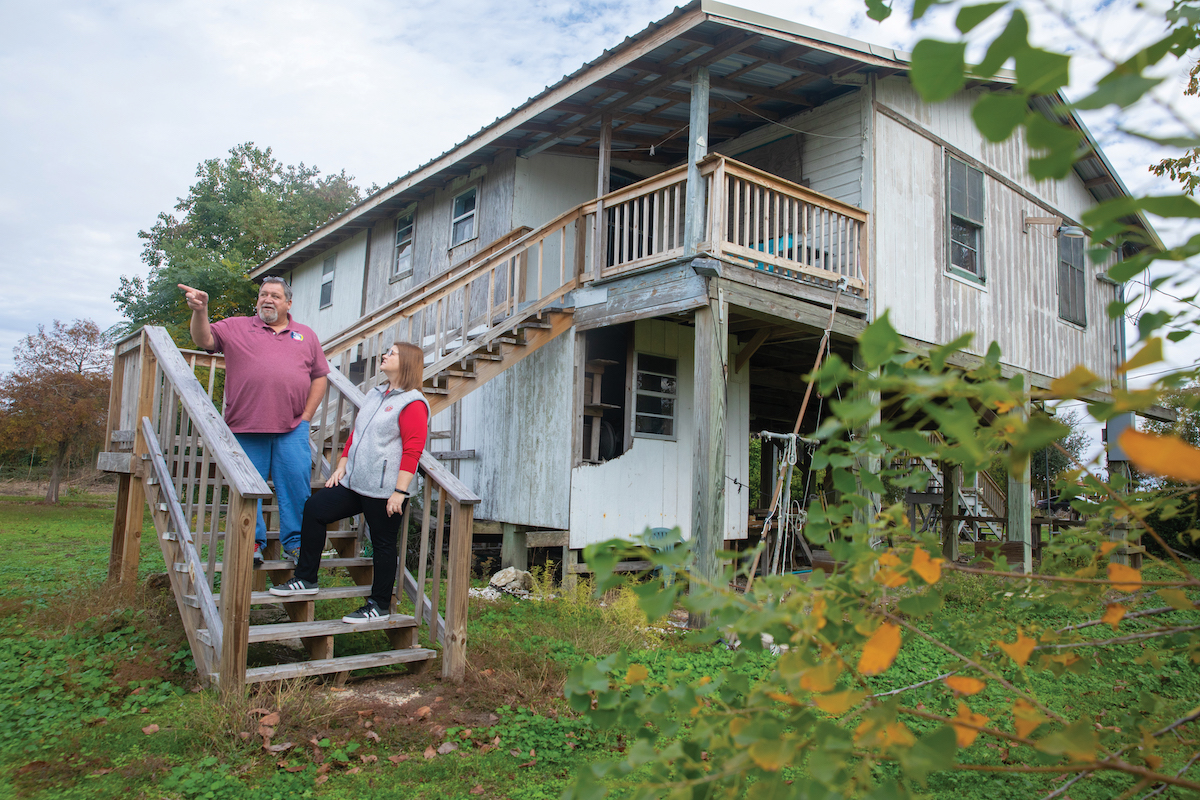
(1074, 382)
(898, 734)
(1124, 578)
(1113, 612)
(819, 607)
(880, 650)
(1162, 455)
(1020, 650)
(1152, 762)
(770, 754)
(1108, 547)
(964, 685)
(1151, 353)
(1026, 718)
(890, 559)
(1176, 599)
(965, 725)
(822, 677)
(705, 681)
(737, 725)
(870, 733)
(889, 578)
(1003, 406)
(839, 703)
(930, 569)
(783, 698)
(636, 674)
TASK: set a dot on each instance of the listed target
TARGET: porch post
(1019, 521)
(603, 176)
(710, 401)
(693, 222)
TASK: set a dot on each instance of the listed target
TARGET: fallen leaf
(373, 736)
(1113, 613)
(1020, 650)
(515, 753)
(103, 771)
(143, 711)
(298, 768)
(930, 569)
(964, 685)
(354, 770)
(271, 719)
(528, 763)
(477, 789)
(399, 759)
(1162, 455)
(467, 733)
(320, 779)
(149, 729)
(489, 672)
(259, 711)
(446, 747)
(487, 748)
(424, 711)
(496, 740)
(437, 699)
(364, 713)
(1125, 578)
(430, 752)
(278, 748)
(244, 735)
(369, 759)
(966, 724)
(266, 731)
(337, 688)
(321, 770)
(880, 650)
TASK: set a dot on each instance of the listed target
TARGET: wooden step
(325, 627)
(266, 598)
(285, 564)
(325, 666)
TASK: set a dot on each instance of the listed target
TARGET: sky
(108, 106)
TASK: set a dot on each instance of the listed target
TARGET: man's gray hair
(287, 290)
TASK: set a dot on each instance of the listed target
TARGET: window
(327, 281)
(966, 218)
(402, 265)
(655, 392)
(1072, 281)
(462, 217)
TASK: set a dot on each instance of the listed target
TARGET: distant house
(622, 279)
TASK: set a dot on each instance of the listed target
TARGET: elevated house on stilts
(616, 285)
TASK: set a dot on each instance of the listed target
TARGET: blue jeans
(286, 459)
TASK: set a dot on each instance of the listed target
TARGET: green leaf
(938, 69)
(1060, 142)
(997, 115)
(931, 753)
(1041, 71)
(1011, 41)
(1171, 205)
(939, 354)
(654, 600)
(921, 6)
(1124, 91)
(878, 342)
(1183, 142)
(1151, 353)
(918, 605)
(909, 440)
(970, 16)
(878, 10)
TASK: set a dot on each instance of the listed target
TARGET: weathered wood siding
(1018, 304)
(347, 288)
(650, 485)
(827, 143)
(519, 425)
(547, 185)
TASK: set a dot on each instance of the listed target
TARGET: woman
(372, 478)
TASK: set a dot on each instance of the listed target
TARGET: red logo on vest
(389, 408)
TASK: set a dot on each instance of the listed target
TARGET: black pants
(337, 503)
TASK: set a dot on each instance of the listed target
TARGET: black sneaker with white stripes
(370, 612)
(295, 586)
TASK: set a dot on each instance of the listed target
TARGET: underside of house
(619, 286)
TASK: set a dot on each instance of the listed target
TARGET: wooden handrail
(224, 447)
(796, 190)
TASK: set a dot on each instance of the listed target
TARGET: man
(274, 380)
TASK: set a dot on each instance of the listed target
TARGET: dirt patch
(38, 776)
(142, 671)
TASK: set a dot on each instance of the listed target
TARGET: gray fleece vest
(373, 463)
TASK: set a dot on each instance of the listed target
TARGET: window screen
(402, 261)
(463, 218)
(966, 217)
(1072, 281)
(327, 281)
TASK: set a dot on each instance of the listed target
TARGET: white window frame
(328, 269)
(968, 213)
(471, 217)
(402, 259)
(1072, 281)
(638, 370)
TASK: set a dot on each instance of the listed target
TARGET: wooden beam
(710, 387)
(1103, 180)
(693, 222)
(735, 44)
(454, 643)
(514, 549)
(236, 578)
(750, 349)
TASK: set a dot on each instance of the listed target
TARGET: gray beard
(268, 315)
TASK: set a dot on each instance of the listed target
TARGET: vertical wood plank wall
(1018, 305)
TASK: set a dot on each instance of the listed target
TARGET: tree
(239, 212)
(1049, 462)
(57, 397)
(1183, 169)
(833, 719)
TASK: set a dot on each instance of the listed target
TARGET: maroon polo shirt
(267, 374)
